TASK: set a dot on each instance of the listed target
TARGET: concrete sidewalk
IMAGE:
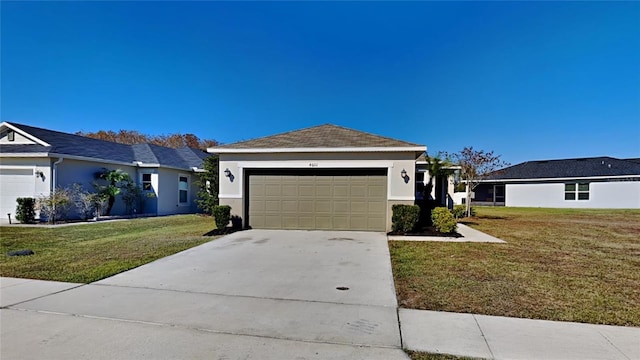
(481, 336)
(497, 337)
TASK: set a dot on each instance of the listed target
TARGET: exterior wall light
(403, 174)
(227, 172)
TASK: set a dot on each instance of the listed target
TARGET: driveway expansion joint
(200, 329)
(39, 297)
(483, 336)
(613, 345)
(247, 296)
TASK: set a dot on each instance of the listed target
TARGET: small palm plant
(115, 180)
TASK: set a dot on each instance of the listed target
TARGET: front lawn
(557, 264)
(87, 253)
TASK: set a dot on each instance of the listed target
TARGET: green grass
(87, 253)
(557, 264)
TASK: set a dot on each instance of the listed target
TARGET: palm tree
(117, 179)
(437, 167)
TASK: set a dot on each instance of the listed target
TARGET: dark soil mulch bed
(425, 231)
(225, 231)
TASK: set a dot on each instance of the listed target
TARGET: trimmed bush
(222, 215)
(443, 220)
(460, 211)
(405, 217)
(25, 211)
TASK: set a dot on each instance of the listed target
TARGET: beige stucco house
(323, 177)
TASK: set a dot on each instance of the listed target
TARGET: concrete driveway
(258, 294)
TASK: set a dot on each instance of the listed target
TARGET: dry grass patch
(87, 253)
(557, 264)
(415, 355)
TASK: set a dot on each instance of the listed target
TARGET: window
(183, 189)
(146, 182)
(11, 136)
(579, 191)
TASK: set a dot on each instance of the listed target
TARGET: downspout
(54, 179)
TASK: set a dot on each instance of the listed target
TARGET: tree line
(132, 137)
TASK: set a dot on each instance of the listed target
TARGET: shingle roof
(322, 136)
(76, 145)
(568, 168)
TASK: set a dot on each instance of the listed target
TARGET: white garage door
(15, 183)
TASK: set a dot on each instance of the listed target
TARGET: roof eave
(23, 155)
(563, 178)
(313, 150)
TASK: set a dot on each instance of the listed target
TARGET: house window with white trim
(146, 182)
(576, 191)
(183, 189)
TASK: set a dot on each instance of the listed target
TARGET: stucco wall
(83, 172)
(168, 195)
(399, 190)
(608, 195)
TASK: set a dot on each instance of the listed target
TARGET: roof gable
(19, 136)
(326, 136)
(568, 168)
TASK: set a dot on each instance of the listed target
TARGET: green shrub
(405, 217)
(443, 220)
(25, 211)
(460, 211)
(222, 215)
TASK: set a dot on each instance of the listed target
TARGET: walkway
(497, 337)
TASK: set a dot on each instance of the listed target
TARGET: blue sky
(529, 80)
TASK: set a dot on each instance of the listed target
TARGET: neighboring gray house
(323, 177)
(597, 182)
(33, 161)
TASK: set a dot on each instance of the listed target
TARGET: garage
(318, 199)
(325, 177)
(16, 182)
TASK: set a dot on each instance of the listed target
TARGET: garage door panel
(359, 222)
(323, 206)
(306, 191)
(359, 191)
(359, 207)
(307, 222)
(341, 207)
(341, 190)
(290, 189)
(273, 206)
(323, 222)
(273, 221)
(290, 221)
(340, 223)
(306, 206)
(373, 190)
(340, 200)
(289, 206)
(374, 222)
(323, 191)
(273, 190)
